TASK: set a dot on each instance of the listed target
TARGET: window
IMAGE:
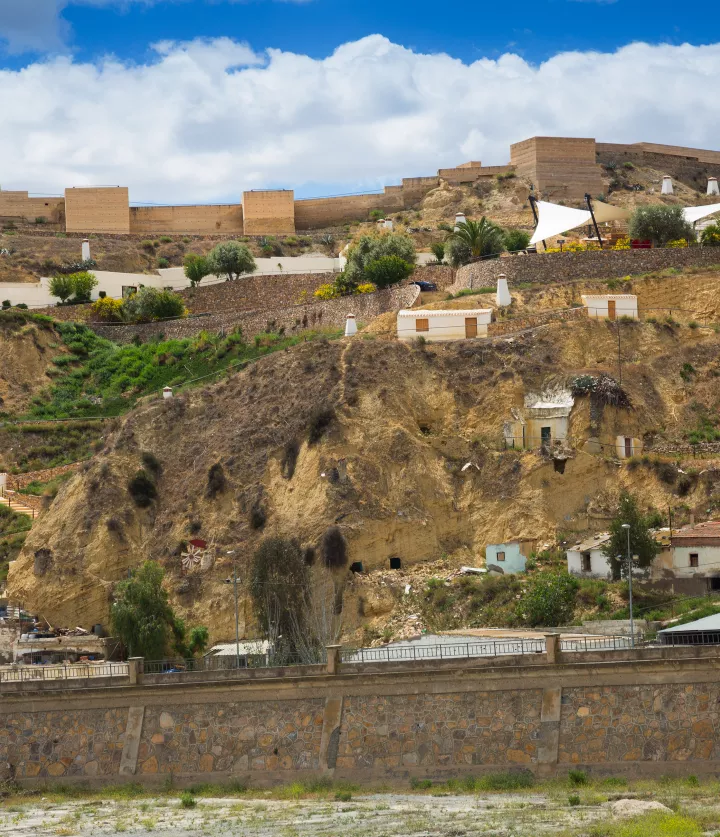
(500, 556)
(694, 559)
(586, 565)
(395, 564)
(422, 325)
(356, 567)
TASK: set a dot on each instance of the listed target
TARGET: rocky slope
(374, 436)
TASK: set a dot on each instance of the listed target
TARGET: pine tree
(642, 543)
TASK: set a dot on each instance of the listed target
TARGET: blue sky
(196, 100)
(466, 30)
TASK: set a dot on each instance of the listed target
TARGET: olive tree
(659, 223)
(231, 259)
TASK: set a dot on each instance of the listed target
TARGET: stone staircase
(9, 499)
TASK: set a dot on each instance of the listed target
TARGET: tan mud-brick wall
(202, 738)
(225, 218)
(20, 205)
(433, 730)
(329, 212)
(559, 167)
(269, 212)
(63, 743)
(640, 723)
(97, 210)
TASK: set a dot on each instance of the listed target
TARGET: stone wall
(293, 319)
(18, 481)
(105, 209)
(227, 218)
(645, 712)
(533, 321)
(592, 264)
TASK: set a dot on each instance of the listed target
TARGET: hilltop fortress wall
(560, 168)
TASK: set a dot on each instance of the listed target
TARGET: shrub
(216, 481)
(388, 270)
(142, 489)
(150, 304)
(660, 224)
(457, 252)
(438, 250)
(147, 244)
(258, 516)
(107, 310)
(333, 548)
(549, 600)
(365, 288)
(162, 262)
(574, 799)
(165, 239)
(289, 458)
(516, 240)
(321, 418)
(328, 291)
(62, 287)
(195, 268)
(83, 282)
(187, 800)
(231, 259)
(679, 243)
(376, 215)
(577, 778)
(151, 462)
(371, 248)
(278, 584)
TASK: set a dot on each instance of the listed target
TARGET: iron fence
(481, 648)
(76, 672)
(597, 643)
(231, 662)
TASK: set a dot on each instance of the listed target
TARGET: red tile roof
(702, 534)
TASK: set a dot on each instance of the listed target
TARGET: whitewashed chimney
(388, 224)
(459, 219)
(350, 325)
(167, 392)
(667, 187)
(85, 249)
(712, 188)
(502, 297)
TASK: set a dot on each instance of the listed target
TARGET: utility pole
(237, 615)
(626, 527)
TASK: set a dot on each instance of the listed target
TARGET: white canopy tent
(695, 213)
(555, 219)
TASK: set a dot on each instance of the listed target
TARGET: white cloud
(208, 119)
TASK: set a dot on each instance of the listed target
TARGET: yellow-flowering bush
(622, 244)
(365, 288)
(678, 242)
(108, 310)
(328, 291)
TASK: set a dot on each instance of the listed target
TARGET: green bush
(549, 600)
(231, 259)
(371, 248)
(187, 800)
(142, 489)
(438, 250)
(162, 262)
(165, 239)
(387, 271)
(150, 304)
(62, 287)
(457, 252)
(376, 214)
(516, 240)
(660, 224)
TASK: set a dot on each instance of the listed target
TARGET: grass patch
(471, 292)
(654, 824)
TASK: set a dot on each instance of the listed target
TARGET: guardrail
(598, 643)
(232, 662)
(481, 648)
(74, 672)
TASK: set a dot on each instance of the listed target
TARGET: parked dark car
(424, 286)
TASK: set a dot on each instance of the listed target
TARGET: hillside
(374, 436)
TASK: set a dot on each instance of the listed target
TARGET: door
(611, 309)
(628, 447)
(545, 435)
(470, 326)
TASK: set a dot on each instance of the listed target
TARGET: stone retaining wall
(644, 712)
(293, 319)
(702, 449)
(591, 264)
(533, 321)
(19, 481)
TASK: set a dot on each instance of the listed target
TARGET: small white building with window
(610, 306)
(440, 325)
(696, 552)
(587, 560)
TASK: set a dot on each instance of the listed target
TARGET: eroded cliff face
(409, 463)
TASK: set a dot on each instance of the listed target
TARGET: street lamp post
(237, 615)
(626, 527)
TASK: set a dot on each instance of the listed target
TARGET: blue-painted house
(510, 557)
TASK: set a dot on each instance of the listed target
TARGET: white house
(543, 421)
(610, 306)
(696, 552)
(435, 326)
(586, 558)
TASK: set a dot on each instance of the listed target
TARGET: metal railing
(232, 663)
(31, 673)
(597, 643)
(481, 648)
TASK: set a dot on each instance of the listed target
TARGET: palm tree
(483, 237)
